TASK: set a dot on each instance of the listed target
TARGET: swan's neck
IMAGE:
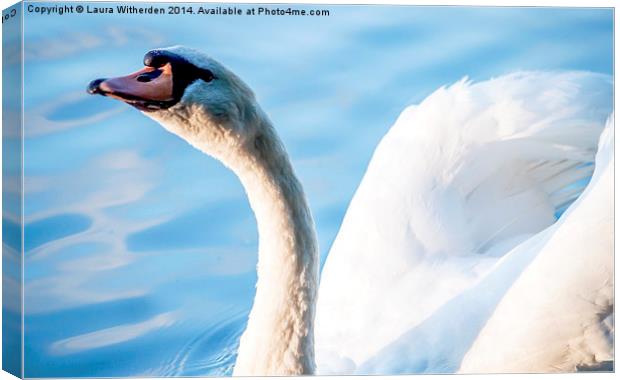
(279, 339)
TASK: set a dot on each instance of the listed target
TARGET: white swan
(460, 196)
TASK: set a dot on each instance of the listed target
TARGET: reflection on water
(140, 251)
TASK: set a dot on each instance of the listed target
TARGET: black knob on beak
(156, 58)
(93, 87)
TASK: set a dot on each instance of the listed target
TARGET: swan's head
(193, 96)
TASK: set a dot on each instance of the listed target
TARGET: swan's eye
(147, 77)
(207, 75)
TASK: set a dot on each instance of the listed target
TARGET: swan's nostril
(143, 78)
(93, 87)
(148, 76)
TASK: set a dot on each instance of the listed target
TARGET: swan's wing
(458, 181)
(558, 316)
(560, 330)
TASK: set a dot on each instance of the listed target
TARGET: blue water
(140, 251)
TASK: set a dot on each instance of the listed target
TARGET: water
(140, 251)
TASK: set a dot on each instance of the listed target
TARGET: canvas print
(211, 189)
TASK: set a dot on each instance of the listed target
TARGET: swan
(451, 229)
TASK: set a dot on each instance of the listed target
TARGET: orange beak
(146, 89)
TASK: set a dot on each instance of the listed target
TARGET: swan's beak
(149, 89)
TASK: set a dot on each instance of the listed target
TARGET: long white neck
(279, 338)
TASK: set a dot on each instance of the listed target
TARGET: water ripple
(213, 352)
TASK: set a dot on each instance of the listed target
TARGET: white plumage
(558, 315)
(450, 256)
(453, 207)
